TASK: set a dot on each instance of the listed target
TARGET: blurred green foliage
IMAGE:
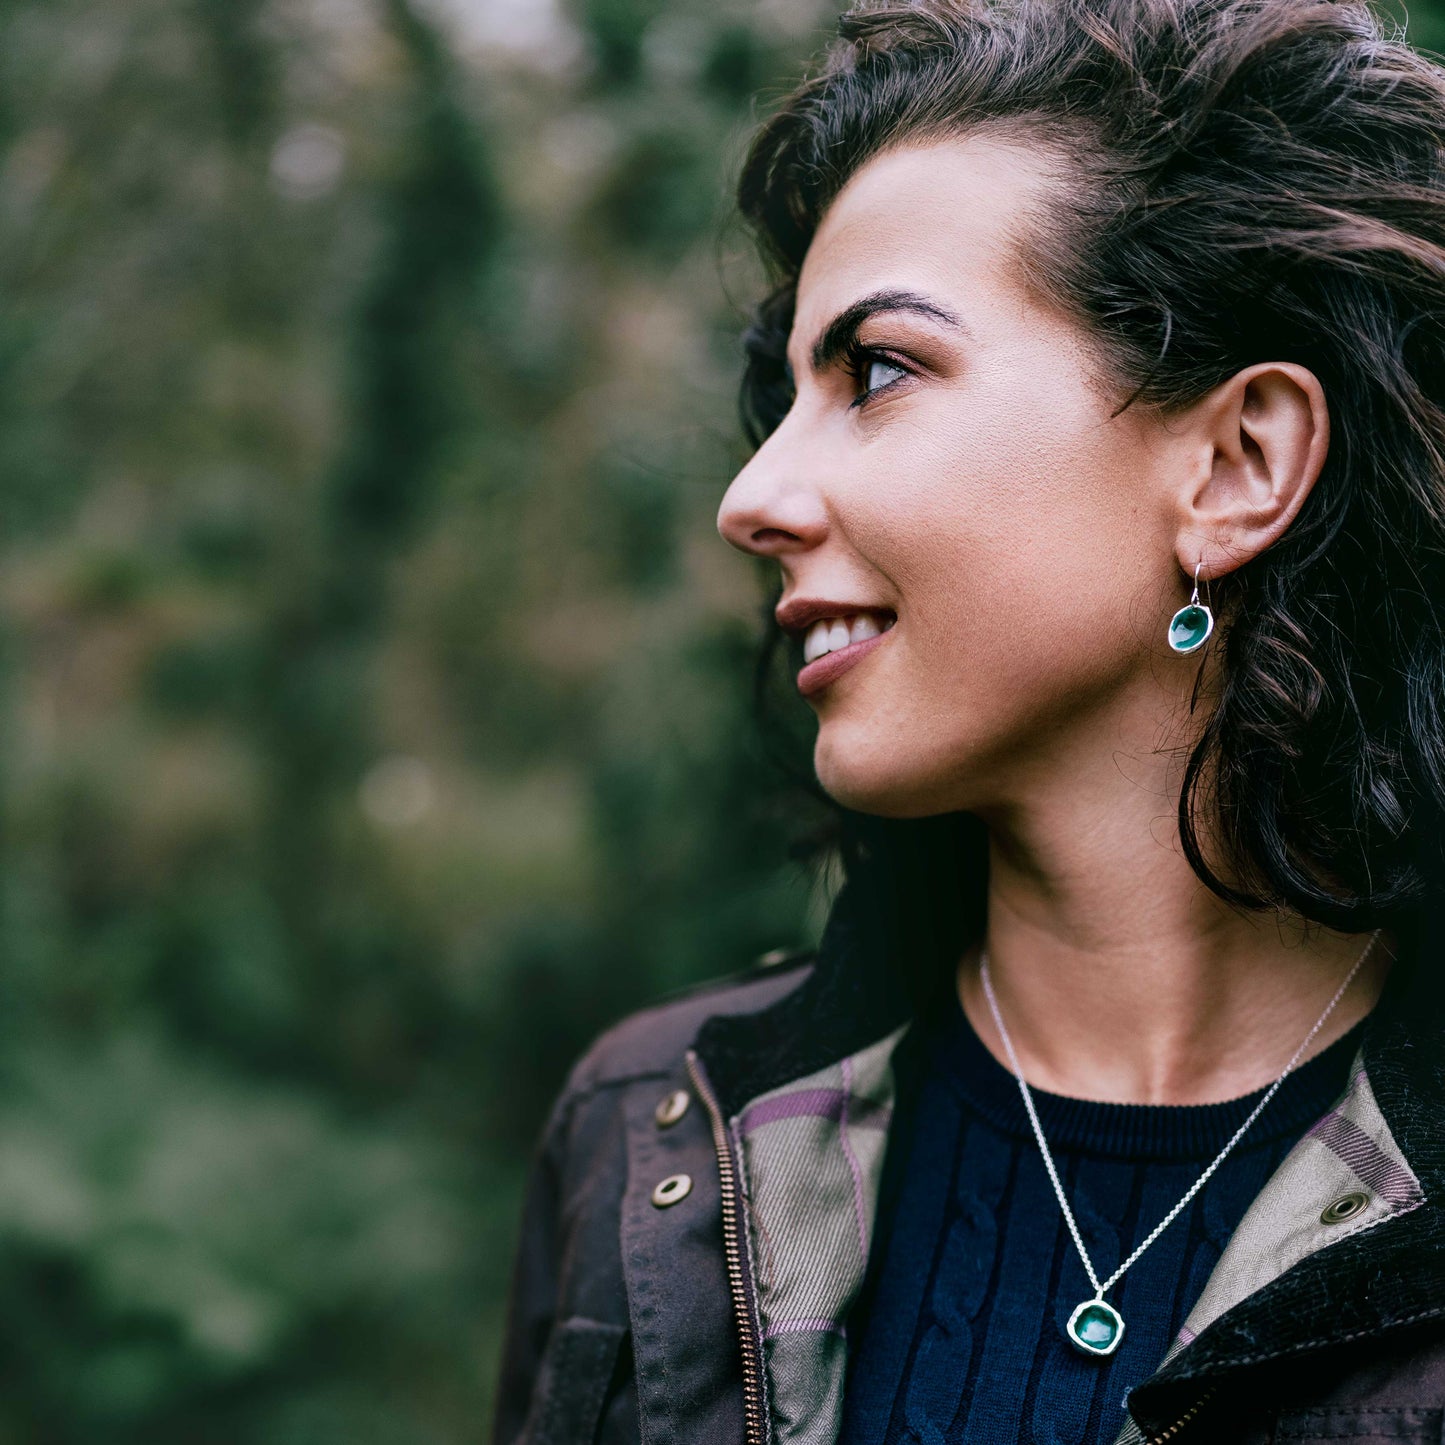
(373, 683)
(374, 688)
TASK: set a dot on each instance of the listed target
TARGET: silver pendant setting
(1190, 627)
(1095, 1327)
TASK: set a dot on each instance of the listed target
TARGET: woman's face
(971, 481)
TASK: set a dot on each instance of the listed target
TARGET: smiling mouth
(833, 634)
(819, 671)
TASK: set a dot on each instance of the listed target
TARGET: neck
(1120, 977)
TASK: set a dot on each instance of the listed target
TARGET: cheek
(1025, 559)
(1040, 533)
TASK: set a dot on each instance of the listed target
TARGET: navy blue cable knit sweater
(958, 1334)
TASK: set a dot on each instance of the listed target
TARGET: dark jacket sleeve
(531, 1305)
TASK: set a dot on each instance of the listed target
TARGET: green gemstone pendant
(1096, 1328)
(1189, 627)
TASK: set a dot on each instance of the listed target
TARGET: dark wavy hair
(1251, 180)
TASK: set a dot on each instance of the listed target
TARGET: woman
(1099, 413)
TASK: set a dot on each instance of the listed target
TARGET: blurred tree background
(374, 687)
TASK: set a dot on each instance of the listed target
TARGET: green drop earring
(1192, 624)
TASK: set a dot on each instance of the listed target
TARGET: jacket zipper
(1182, 1421)
(755, 1423)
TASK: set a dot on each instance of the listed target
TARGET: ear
(1264, 437)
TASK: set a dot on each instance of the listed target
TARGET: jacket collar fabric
(808, 1088)
(848, 1001)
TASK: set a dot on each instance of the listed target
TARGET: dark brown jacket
(699, 1218)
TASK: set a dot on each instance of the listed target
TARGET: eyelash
(856, 361)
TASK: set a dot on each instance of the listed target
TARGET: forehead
(942, 218)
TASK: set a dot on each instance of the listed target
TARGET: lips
(800, 613)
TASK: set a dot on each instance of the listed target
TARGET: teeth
(862, 626)
(828, 634)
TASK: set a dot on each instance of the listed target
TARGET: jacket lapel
(1349, 1160)
(1291, 1283)
(812, 1154)
(806, 1088)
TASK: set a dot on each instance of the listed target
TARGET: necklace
(1095, 1326)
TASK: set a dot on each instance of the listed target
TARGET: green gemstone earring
(1192, 624)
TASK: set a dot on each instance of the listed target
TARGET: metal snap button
(671, 1189)
(672, 1108)
(1345, 1207)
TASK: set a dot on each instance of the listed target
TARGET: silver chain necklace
(1095, 1326)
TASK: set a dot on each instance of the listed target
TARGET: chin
(874, 784)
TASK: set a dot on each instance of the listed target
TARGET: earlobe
(1268, 431)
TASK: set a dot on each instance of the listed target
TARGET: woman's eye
(872, 370)
(875, 374)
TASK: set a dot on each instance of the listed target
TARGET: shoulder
(653, 1040)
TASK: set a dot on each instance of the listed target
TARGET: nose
(770, 509)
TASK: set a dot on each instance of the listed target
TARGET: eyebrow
(841, 330)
